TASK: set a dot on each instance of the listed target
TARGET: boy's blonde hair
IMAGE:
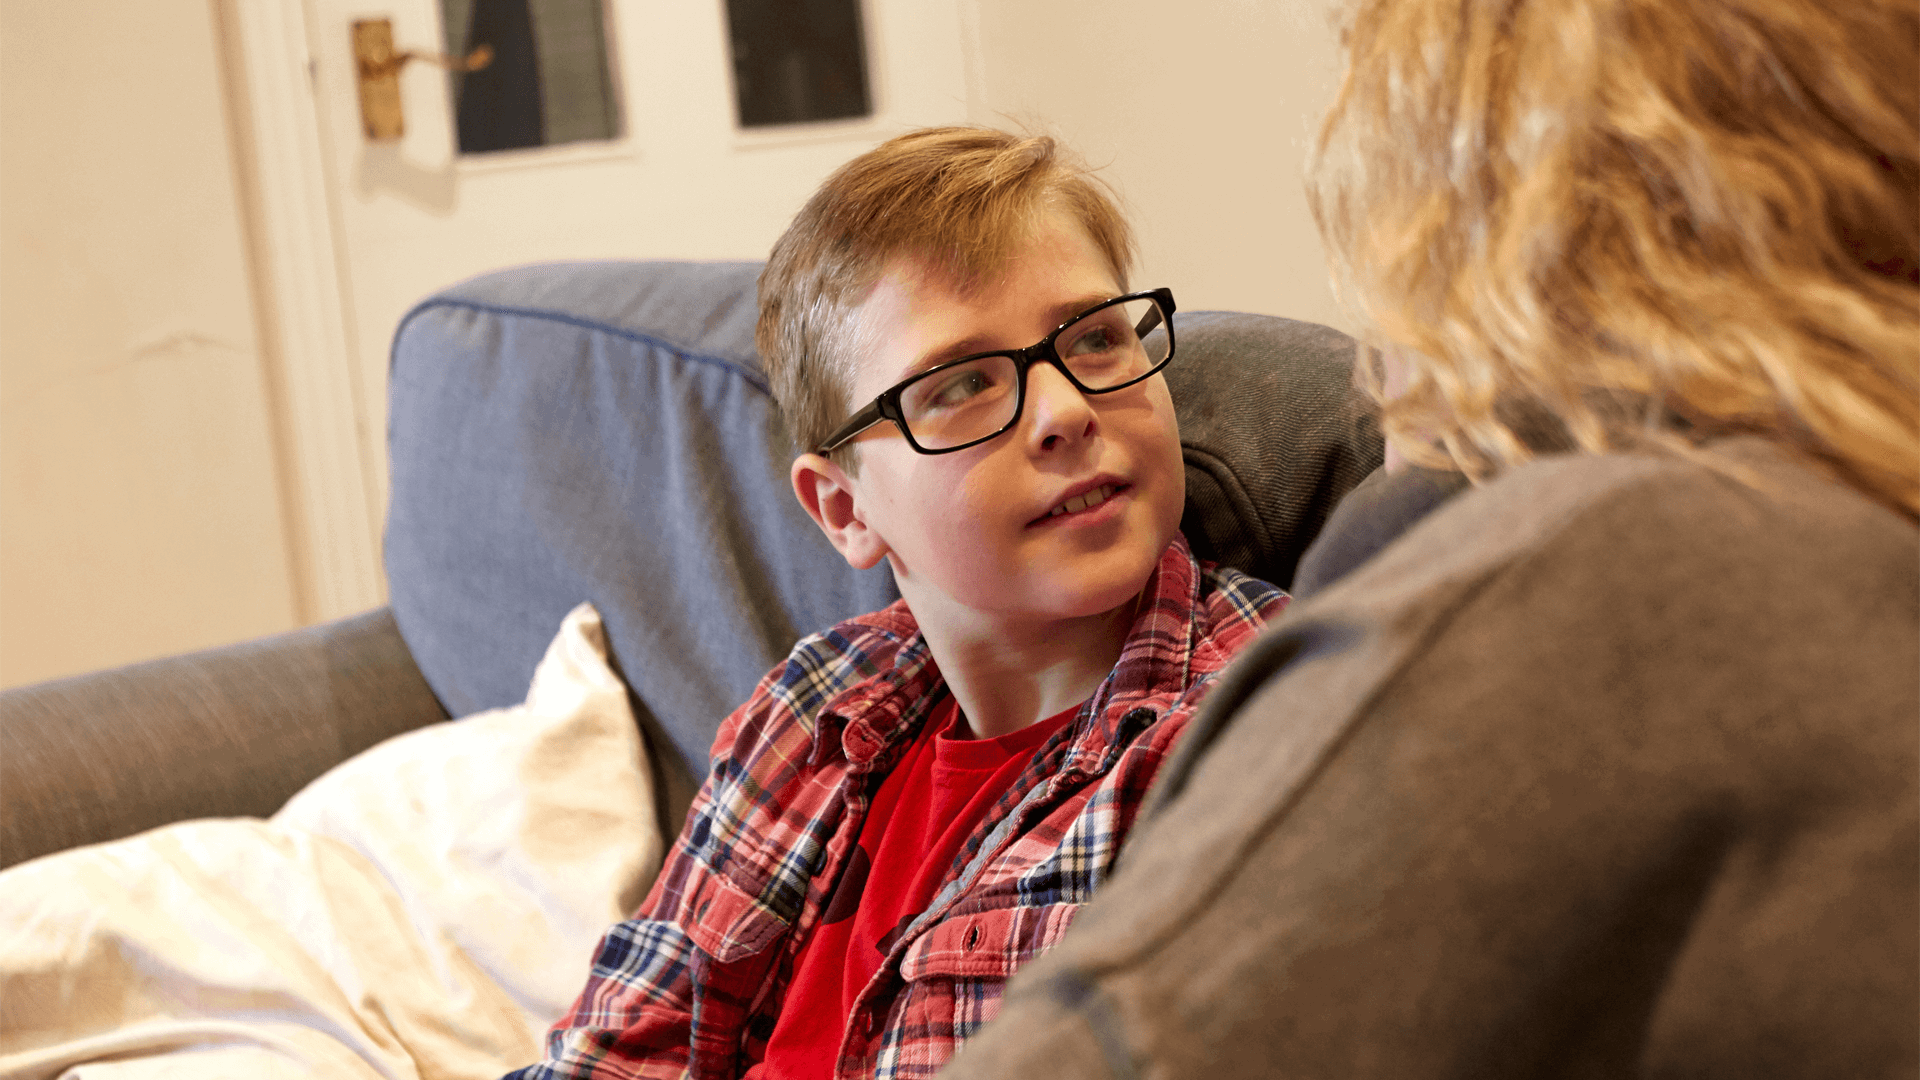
(957, 198)
(1638, 219)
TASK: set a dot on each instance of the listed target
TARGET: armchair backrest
(602, 431)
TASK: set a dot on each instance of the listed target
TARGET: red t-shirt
(921, 817)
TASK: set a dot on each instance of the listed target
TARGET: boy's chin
(1097, 599)
(1045, 603)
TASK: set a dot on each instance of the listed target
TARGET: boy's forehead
(920, 310)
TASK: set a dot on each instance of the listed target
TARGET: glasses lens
(958, 404)
(1116, 344)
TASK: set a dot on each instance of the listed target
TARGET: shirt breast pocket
(959, 969)
(726, 922)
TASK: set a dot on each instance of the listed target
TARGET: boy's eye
(1095, 340)
(959, 388)
(952, 389)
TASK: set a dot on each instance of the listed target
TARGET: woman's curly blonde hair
(1637, 220)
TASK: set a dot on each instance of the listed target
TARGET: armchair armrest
(229, 732)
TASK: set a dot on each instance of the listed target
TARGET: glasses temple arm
(856, 424)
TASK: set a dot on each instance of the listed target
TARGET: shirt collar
(1156, 658)
(883, 713)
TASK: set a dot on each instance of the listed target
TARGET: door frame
(303, 311)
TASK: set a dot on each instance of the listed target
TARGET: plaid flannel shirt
(692, 984)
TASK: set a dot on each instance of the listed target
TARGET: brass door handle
(378, 69)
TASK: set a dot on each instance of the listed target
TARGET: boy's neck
(1007, 677)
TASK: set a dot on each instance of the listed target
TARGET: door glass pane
(550, 81)
(796, 61)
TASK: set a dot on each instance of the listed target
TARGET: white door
(386, 223)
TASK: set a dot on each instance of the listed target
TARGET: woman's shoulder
(1732, 510)
(1737, 578)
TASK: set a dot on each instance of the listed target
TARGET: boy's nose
(1056, 409)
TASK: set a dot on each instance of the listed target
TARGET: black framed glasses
(961, 403)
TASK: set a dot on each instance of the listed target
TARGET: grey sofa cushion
(602, 431)
(1273, 432)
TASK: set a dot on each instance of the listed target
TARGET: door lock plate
(378, 73)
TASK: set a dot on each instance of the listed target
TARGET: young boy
(918, 801)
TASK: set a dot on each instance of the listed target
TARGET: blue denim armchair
(602, 431)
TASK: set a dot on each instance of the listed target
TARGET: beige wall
(139, 506)
(142, 510)
(1201, 111)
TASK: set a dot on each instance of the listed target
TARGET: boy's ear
(828, 495)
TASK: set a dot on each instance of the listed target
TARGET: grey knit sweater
(1607, 768)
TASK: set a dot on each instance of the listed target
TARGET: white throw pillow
(426, 909)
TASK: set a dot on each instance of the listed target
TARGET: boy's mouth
(1089, 498)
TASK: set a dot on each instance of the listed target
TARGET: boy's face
(972, 535)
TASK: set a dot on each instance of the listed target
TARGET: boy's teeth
(1081, 502)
